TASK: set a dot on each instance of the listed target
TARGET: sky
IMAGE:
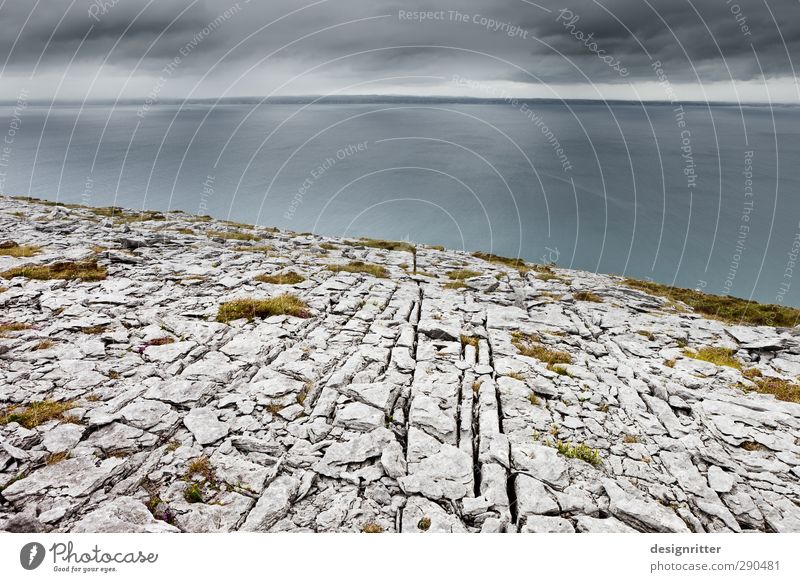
(682, 50)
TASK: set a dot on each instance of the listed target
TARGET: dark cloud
(696, 40)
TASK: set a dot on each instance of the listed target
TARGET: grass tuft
(232, 235)
(66, 270)
(12, 249)
(285, 304)
(424, 524)
(371, 527)
(725, 308)
(37, 413)
(580, 451)
(461, 274)
(288, 278)
(587, 296)
(718, 356)
(361, 267)
(779, 388)
(529, 346)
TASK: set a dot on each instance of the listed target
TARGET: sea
(697, 195)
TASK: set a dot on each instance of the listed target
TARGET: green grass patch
(87, 270)
(361, 267)
(12, 249)
(725, 308)
(285, 304)
(531, 347)
(37, 413)
(288, 278)
(581, 452)
(387, 245)
(517, 264)
(461, 274)
(779, 388)
(717, 356)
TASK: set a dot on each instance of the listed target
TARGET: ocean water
(698, 196)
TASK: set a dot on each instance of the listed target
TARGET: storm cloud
(107, 49)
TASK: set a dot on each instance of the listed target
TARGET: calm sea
(698, 196)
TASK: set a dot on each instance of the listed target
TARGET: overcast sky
(714, 49)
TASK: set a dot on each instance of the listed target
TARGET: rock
(533, 497)
(393, 460)
(542, 524)
(445, 475)
(273, 504)
(640, 514)
(71, 478)
(586, 524)
(205, 425)
(122, 515)
(719, 480)
(355, 450)
(423, 516)
(358, 416)
(63, 438)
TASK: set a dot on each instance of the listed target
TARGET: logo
(31, 555)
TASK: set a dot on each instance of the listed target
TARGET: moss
(288, 278)
(232, 235)
(87, 270)
(461, 274)
(12, 249)
(587, 296)
(717, 356)
(285, 304)
(37, 413)
(725, 308)
(424, 524)
(371, 527)
(361, 267)
(529, 346)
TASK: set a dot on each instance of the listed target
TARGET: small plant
(285, 304)
(534, 399)
(303, 394)
(44, 345)
(559, 369)
(581, 452)
(12, 249)
(461, 274)
(288, 278)
(456, 285)
(193, 493)
(94, 330)
(185, 231)
(255, 249)
(328, 246)
(371, 527)
(648, 334)
(161, 341)
(717, 356)
(670, 363)
(587, 296)
(200, 466)
(37, 413)
(752, 446)
(469, 340)
(630, 439)
(87, 270)
(361, 267)
(476, 386)
(424, 524)
(274, 408)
